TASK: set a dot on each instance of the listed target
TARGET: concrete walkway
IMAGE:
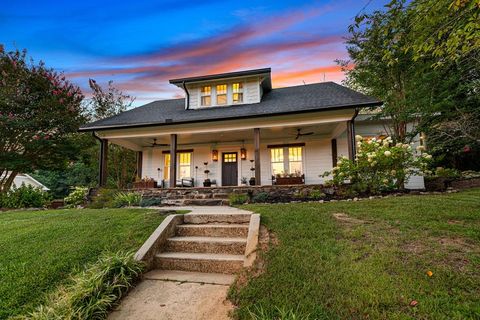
(180, 295)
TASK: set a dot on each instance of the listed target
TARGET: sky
(142, 44)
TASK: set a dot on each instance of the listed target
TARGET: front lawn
(369, 260)
(39, 249)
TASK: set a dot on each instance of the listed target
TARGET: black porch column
(173, 160)
(103, 162)
(350, 140)
(139, 164)
(256, 144)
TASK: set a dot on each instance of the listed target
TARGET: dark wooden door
(229, 169)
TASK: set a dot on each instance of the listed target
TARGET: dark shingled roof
(298, 99)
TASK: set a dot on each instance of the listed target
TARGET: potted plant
(243, 181)
(206, 182)
(252, 181)
(252, 169)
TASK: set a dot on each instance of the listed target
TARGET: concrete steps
(206, 245)
(213, 230)
(201, 262)
(190, 276)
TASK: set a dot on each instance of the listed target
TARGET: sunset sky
(140, 45)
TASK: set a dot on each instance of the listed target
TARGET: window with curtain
(237, 91)
(291, 164)
(206, 95)
(184, 165)
(221, 94)
(166, 167)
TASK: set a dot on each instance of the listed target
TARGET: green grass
(372, 262)
(39, 249)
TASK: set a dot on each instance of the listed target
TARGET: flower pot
(252, 181)
(288, 180)
(145, 184)
(207, 183)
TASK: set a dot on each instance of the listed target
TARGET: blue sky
(141, 44)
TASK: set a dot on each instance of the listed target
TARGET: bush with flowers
(380, 165)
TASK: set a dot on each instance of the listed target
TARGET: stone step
(213, 230)
(206, 245)
(190, 276)
(200, 262)
(202, 218)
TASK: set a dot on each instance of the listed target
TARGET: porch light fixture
(214, 155)
(243, 154)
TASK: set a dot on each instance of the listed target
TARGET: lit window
(221, 94)
(237, 92)
(295, 160)
(277, 161)
(184, 161)
(206, 96)
(185, 165)
(287, 165)
(166, 167)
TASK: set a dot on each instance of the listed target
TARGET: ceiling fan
(155, 144)
(300, 134)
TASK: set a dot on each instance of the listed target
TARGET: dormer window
(221, 94)
(237, 89)
(206, 96)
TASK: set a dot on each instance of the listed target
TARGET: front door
(229, 169)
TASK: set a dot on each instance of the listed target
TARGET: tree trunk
(7, 184)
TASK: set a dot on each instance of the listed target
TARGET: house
(235, 125)
(27, 180)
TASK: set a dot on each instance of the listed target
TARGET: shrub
(24, 197)
(92, 292)
(316, 195)
(76, 197)
(379, 166)
(447, 173)
(150, 202)
(104, 199)
(260, 197)
(126, 199)
(236, 199)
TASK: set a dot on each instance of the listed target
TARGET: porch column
(139, 164)
(103, 163)
(256, 144)
(173, 160)
(350, 140)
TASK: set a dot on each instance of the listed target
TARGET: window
(206, 95)
(184, 162)
(237, 92)
(229, 157)
(277, 161)
(166, 167)
(184, 165)
(221, 94)
(289, 165)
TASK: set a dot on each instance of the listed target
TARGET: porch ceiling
(267, 134)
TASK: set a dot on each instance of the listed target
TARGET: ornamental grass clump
(379, 165)
(91, 293)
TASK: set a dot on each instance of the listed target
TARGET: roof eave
(140, 125)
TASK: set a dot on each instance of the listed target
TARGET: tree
(383, 68)
(107, 103)
(39, 111)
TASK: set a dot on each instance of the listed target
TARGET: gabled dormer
(225, 89)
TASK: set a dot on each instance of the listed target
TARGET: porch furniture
(185, 183)
(288, 180)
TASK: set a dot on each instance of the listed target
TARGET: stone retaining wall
(220, 195)
(442, 184)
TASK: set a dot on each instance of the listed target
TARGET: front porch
(289, 150)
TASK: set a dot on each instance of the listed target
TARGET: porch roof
(289, 100)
